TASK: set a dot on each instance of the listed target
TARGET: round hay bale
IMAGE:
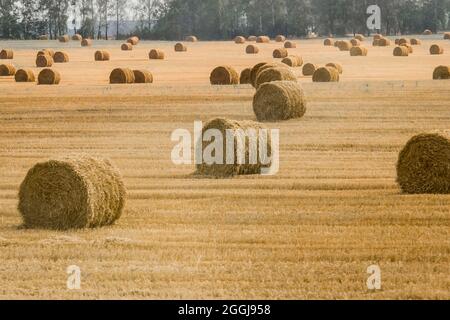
(239, 40)
(191, 39)
(252, 38)
(360, 37)
(61, 57)
(49, 76)
(86, 42)
(427, 32)
(48, 52)
(441, 73)
(77, 37)
(337, 66)
(423, 165)
(251, 49)
(280, 53)
(101, 55)
(280, 38)
(293, 61)
(224, 75)
(328, 42)
(436, 49)
(309, 69)
(326, 74)
(64, 38)
(402, 41)
(397, 41)
(355, 42)
(274, 74)
(447, 36)
(156, 54)
(377, 36)
(71, 193)
(384, 42)
(7, 70)
(142, 76)
(376, 42)
(126, 47)
(25, 75)
(254, 72)
(133, 40)
(290, 45)
(415, 42)
(7, 54)
(225, 168)
(279, 100)
(44, 61)
(401, 51)
(245, 77)
(358, 52)
(407, 45)
(263, 39)
(121, 75)
(345, 45)
(180, 47)
(43, 37)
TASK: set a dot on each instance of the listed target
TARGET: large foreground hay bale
(441, 73)
(358, 51)
(344, 45)
(384, 42)
(49, 52)
(71, 193)
(436, 49)
(415, 42)
(44, 61)
(326, 74)
(102, 55)
(427, 32)
(293, 61)
(191, 39)
(225, 168)
(309, 69)
(156, 54)
(25, 75)
(239, 40)
(329, 42)
(121, 75)
(337, 66)
(61, 57)
(64, 38)
(263, 39)
(126, 47)
(274, 74)
(245, 77)
(424, 164)
(401, 51)
(77, 37)
(224, 75)
(49, 76)
(7, 54)
(252, 49)
(86, 42)
(7, 70)
(279, 100)
(133, 40)
(252, 38)
(290, 45)
(280, 53)
(280, 38)
(142, 76)
(180, 47)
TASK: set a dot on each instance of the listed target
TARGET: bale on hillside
(101, 55)
(360, 37)
(49, 76)
(384, 42)
(263, 39)
(239, 40)
(251, 38)
(293, 61)
(133, 40)
(245, 77)
(86, 42)
(77, 37)
(274, 74)
(43, 61)
(25, 75)
(290, 45)
(191, 39)
(344, 45)
(180, 47)
(358, 51)
(224, 75)
(61, 57)
(407, 45)
(251, 49)
(355, 42)
(237, 166)
(280, 53)
(326, 74)
(49, 52)
(126, 47)
(254, 72)
(423, 165)
(7, 54)
(415, 42)
(328, 42)
(142, 76)
(436, 49)
(121, 75)
(401, 51)
(7, 70)
(441, 73)
(279, 100)
(337, 66)
(309, 69)
(156, 54)
(427, 32)
(71, 193)
(64, 38)
(280, 38)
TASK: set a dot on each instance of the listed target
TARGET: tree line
(215, 19)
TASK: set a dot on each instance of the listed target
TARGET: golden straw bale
(293, 61)
(360, 37)
(7, 54)
(121, 75)
(441, 73)
(402, 41)
(376, 42)
(142, 76)
(49, 76)
(345, 45)
(355, 42)
(49, 52)
(415, 42)
(252, 38)
(224, 75)
(384, 42)
(239, 40)
(401, 51)
(436, 49)
(156, 54)
(126, 47)
(191, 39)
(280, 53)
(427, 32)
(377, 36)
(328, 42)
(274, 74)
(337, 66)
(133, 40)
(407, 45)
(25, 75)
(326, 74)
(290, 45)
(251, 49)
(77, 37)
(245, 77)
(309, 69)
(7, 70)
(64, 38)
(101, 55)
(86, 42)
(43, 61)
(263, 39)
(254, 72)
(358, 51)
(180, 47)
(280, 38)
(61, 57)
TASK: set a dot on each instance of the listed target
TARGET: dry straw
(290, 45)
(191, 39)
(239, 40)
(43, 61)
(142, 76)
(329, 42)
(133, 40)
(180, 47)
(86, 42)
(25, 75)
(280, 38)
(309, 69)
(126, 47)
(326, 74)
(7, 54)
(280, 53)
(293, 61)
(441, 73)
(72, 193)
(279, 100)
(337, 66)
(245, 77)
(61, 57)
(224, 75)
(423, 165)
(225, 168)
(263, 39)
(7, 70)
(254, 72)
(64, 38)
(251, 49)
(274, 74)
(401, 51)
(49, 76)
(101, 55)
(358, 51)
(77, 37)
(121, 75)
(436, 49)
(156, 54)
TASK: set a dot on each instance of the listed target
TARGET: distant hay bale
(427, 32)
(293, 61)
(279, 100)
(254, 72)
(71, 193)
(423, 165)
(263, 39)
(337, 66)
(309, 69)
(407, 45)
(251, 38)
(7, 70)
(441, 73)
(245, 77)
(43, 37)
(44, 61)
(86, 42)
(191, 39)
(239, 40)
(48, 52)
(126, 47)
(345, 45)
(224, 75)
(121, 76)
(280, 53)
(384, 42)
(64, 38)
(360, 37)
(25, 75)
(401, 51)
(49, 77)
(328, 42)
(142, 76)
(402, 41)
(251, 49)
(180, 47)
(156, 54)
(358, 52)
(77, 37)
(101, 55)
(280, 38)
(133, 40)
(377, 36)
(274, 74)
(376, 42)
(225, 167)
(326, 74)
(61, 57)
(355, 42)
(447, 36)
(6, 54)
(397, 41)
(415, 42)
(436, 49)
(290, 45)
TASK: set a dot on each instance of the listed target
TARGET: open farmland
(308, 232)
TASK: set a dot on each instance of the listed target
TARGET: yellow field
(309, 232)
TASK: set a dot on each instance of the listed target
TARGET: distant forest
(214, 19)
